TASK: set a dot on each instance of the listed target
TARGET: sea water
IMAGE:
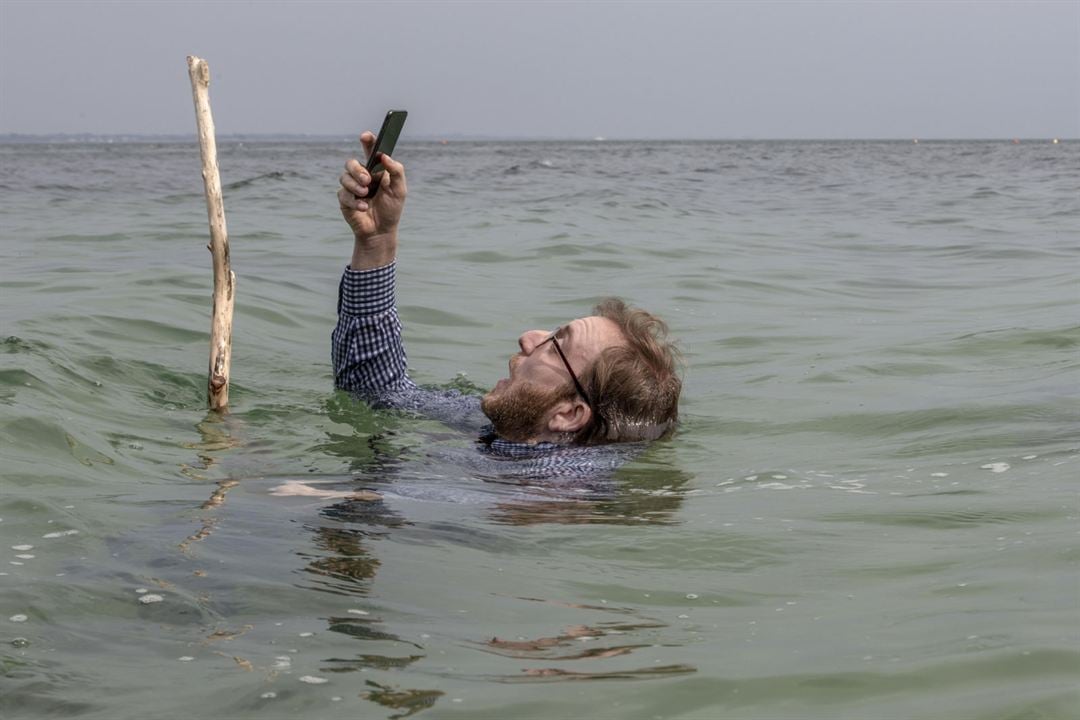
(870, 509)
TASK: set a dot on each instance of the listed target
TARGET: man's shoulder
(449, 406)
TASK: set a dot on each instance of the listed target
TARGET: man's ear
(569, 416)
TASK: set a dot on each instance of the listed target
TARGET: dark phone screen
(385, 143)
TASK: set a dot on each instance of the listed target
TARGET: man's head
(627, 387)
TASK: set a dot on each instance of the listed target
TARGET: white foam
(150, 598)
(307, 634)
(18, 618)
(22, 548)
(998, 467)
(185, 658)
(61, 533)
(312, 680)
(1029, 457)
(268, 695)
(354, 611)
(939, 474)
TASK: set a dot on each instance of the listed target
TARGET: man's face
(522, 406)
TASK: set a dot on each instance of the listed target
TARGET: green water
(870, 510)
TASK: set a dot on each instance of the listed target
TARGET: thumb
(396, 173)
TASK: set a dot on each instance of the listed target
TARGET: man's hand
(374, 223)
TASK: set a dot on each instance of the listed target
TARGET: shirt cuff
(366, 292)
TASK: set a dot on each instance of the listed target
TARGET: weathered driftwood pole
(217, 390)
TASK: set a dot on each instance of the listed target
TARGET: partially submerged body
(370, 362)
(545, 420)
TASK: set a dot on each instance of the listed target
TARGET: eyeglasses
(577, 383)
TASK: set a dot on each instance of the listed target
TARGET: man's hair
(635, 387)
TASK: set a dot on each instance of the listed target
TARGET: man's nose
(530, 339)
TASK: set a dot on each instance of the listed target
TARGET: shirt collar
(495, 445)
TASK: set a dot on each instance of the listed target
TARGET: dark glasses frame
(573, 376)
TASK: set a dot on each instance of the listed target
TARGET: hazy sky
(548, 69)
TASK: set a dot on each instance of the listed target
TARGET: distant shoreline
(119, 138)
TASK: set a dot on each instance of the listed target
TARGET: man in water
(605, 379)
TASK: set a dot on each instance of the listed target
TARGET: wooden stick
(217, 389)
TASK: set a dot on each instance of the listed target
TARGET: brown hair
(634, 387)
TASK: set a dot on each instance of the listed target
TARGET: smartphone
(384, 143)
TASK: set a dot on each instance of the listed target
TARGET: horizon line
(18, 137)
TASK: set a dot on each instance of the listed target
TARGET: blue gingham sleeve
(369, 357)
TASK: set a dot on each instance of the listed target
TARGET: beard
(517, 413)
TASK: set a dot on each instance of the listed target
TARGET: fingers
(356, 180)
(354, 186)
(357, 172)
(349, 201)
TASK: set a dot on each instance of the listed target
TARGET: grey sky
(548, 69)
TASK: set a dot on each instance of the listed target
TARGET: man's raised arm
(368, 355)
